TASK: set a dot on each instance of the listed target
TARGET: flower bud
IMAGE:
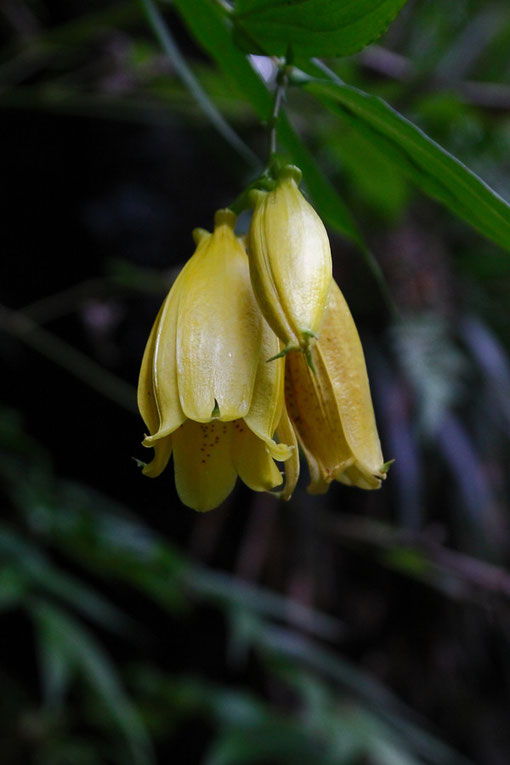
(290, 261)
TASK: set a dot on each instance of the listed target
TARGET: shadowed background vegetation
(351, 628)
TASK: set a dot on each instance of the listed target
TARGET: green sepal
(288, 348)
(309, 361)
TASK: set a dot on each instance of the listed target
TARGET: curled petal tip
(149, 441)
(278, 451)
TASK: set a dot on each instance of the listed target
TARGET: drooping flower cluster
(254, 353)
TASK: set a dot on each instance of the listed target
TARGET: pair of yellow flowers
(251, 354)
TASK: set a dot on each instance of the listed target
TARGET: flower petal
(147, 405)
(262, 277)
(204, 471)
(164, 367)
(219, 328)
(162, 451)
(267, 403)
(353, 476)
(319, 480)
(252, 460)
(287, 435)
(313, 410)
(341, 351)
(332, 408)
(146, 398)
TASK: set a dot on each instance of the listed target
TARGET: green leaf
(239, 596)
(371, 179)
(13, 587)
(81, 652)
(277, 741)
(428, 165)
(370, 692)
(36, 573)
(312, 28)
(55, 663)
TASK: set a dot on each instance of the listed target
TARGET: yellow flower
(331, 409)
(205, 391)
(290, 261)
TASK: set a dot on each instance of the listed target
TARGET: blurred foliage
(343, 713)
(341, 629)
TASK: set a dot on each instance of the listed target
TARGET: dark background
(350, 628)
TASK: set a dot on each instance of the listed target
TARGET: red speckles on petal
(303, 401)
(211, 437)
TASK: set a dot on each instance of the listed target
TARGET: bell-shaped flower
(290, 261)
(331, 408)
(205, 391)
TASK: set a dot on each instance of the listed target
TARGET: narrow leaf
(38, 574)
(432, 168)
(370, 692)
(84, 654)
